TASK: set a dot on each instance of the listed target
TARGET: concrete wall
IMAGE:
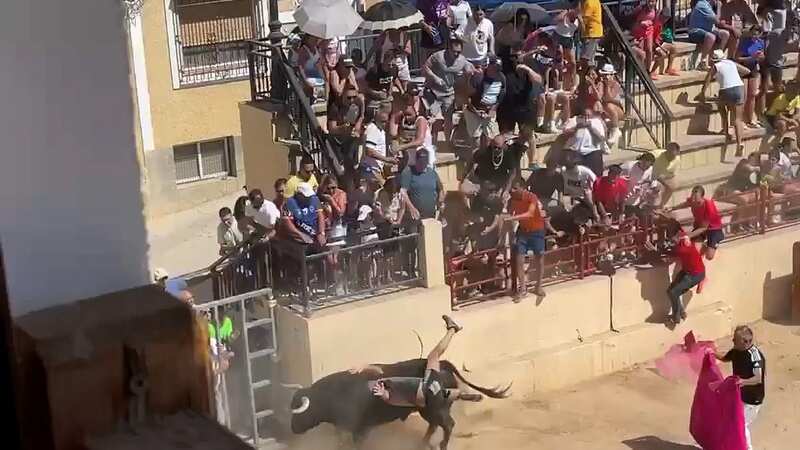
(563, 339)
(72, 224)
(264, 159)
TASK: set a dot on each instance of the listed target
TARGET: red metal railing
(482, 275)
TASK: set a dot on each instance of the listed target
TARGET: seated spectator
(704, 32)
(545, 182)
(664, 40)
(609, 194)
(345, 125)
(330, 58)
(498, 163)
(341, 79)
(389, 204)
(306, 222)
(750, 54)
(441, 71)
(411, 128)
(644, 31)
(334, 206)
(513, 33)
(587, 95)
(566, 24)
(783, 114)
(360, 198)
(435, 30)
(305, 174)
(665, 167)
(358, 66)
(728, 74)
(592, 20)
(310, 65)
(264, 214)
(707, 221)
(772, 14)
(380, 81)
(578, 181)
(244, 223)
(745, 174)
(525, 208)
(478, 37)
(642, 190)
(611, 100)
(736, 16)
(487, 91)
(280, 193)
(375, 150)
(396, 43)
(421, 189)
(781, 163)
(544, 57)
(586, 136)
(228, 234)
(516, 110)
(176, 287)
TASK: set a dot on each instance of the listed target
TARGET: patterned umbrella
(327, 19)
(391, 14)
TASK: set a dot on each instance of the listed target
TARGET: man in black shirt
(380, 80)
(497, 163)
(516, 109)
(546, 181)
(750, 366)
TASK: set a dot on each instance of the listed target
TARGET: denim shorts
(698, 36)
(568, 42)
(732, 95)
(712, 238)
(529, 242)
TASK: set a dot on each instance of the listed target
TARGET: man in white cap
(611, 99)
(306, 222)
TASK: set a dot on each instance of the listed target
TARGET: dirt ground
(630, 410)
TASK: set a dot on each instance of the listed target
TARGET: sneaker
(451, 324)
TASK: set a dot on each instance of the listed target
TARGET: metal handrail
(635, 74)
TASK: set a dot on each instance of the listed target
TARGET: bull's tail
(495, 392)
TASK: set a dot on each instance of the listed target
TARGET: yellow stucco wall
(186, 114)
(563, 339)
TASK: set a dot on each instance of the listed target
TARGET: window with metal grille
(202, 160)
(211, 38)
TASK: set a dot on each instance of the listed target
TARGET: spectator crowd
(486, 91)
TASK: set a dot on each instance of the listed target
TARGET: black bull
(343, 400)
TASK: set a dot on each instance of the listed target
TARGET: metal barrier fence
(347, 273)
(482, 275)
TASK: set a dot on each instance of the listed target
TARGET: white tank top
(727, 74)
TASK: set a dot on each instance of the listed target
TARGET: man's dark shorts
(529, 242)
(713, 238)
(433, 389)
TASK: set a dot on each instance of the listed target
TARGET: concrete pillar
(796, 282)
(431, 253)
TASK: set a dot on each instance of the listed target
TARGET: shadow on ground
(656, 443)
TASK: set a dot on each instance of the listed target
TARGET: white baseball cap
(305, 189)
(160, 274)
(718, 55)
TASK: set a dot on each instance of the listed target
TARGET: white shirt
(584, 141)
(228, 236)
(375, 139)
(461, 14)
(476, 39)
(577, 181)
(784, 166)
(566, 28)
(428, 144)
(727, 74)
(639, 181)
(265, 216)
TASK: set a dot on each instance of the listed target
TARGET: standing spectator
(434, 25)
(586, 136)
(280, 194)
(609, 194)
(741, 180)
(731, 94)
(459, 13)
(611, 99)
(516, 107)
(228, 234)
(309, 63)
(639, 175)
(592, 18)
(565, 28)
(334, 207)
(478, 37)
(578, 179)
(665, 167)
(773, 21)
(263, 212)
(750, 366)
(341, 79)
(545, 182)
(707, 221)
(692, 273)
(514, 33)
(488, 89)
(750, 54)
(420, 188)
(397, 43)
(345, 123)
(375, 150)
(411, 128)
(176, 287)
(389, 203)
(243, 222)
(305, 174)
(497, 163)
(704, 32)
(380, 79)
(441, 71)
(525, 208)
(306, 222)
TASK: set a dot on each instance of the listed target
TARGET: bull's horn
(304, 404)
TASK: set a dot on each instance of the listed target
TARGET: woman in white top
(728, 75)
(396, 41)
(565, 27)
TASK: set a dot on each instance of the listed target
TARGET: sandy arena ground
(629, 410)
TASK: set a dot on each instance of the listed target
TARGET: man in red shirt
(692, 273)
(525, 208)
(609, 194)
(707, 221)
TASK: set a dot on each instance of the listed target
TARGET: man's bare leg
(436, 354)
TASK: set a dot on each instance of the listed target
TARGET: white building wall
(71, 220)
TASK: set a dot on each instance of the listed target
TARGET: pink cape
(717, 421)
(684, 361)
